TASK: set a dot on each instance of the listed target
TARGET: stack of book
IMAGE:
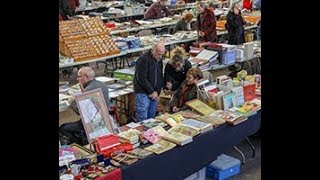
(216, 122)
(161, 147)
(140, 153)
(131, 136)
(184, 129)
(230, 117)
(200, 126)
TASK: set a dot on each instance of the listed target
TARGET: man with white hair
(75, 130)
(148, 81)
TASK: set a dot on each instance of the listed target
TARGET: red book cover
(249, 91)
(106, 142)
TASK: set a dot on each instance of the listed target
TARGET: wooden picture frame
(94, 114)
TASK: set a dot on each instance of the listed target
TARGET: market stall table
(180, 162)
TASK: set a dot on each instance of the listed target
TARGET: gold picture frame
(82, 152)
(94, 114)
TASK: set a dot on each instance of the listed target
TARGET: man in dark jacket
(75, 130)
(235, 25)
(148, 81)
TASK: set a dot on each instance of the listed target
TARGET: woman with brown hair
(187, 91)
(184, 23)
(176, 70)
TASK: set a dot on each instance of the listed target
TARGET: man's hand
(154, 95)
(201, 34)
(175, 109)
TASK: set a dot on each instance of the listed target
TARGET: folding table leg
(241, 153)
(252, 147)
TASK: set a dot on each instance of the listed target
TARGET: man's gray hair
(88, 71)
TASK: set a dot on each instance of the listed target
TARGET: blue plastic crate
(228, 57)
(224, 167)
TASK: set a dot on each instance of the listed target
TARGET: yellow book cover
(216, 122)
(163, 117)
(177, 117)
(171, 122)
(200, 107)
(161, 146)
(179, 139)
(184, 129)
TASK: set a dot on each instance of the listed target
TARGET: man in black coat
(148, 81)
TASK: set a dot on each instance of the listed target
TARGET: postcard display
(84, 39)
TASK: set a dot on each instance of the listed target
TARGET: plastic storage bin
(228, 57)
(224, 167)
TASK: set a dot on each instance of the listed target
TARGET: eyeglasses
(157, 55)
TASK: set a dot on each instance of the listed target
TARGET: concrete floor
(252, 168)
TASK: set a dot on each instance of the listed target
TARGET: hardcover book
(189, 114)
(185, 130)
(131, 136)
(140, 153)
(230, 117)
(154, 134)
(249, 91)
(238, 91)
(125, 158)
(216, 122)
(161, 147)
(200, 107)
(201, 126)
(177, 138)
(229, 100)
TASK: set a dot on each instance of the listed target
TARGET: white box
(239, 55)
(248, 50)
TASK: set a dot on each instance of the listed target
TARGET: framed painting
(94, 114)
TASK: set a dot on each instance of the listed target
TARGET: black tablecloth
(182, 161)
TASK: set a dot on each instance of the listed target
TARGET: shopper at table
(176, 71)
(187, 91)
(247, 5)
(157, 10)
(235, 25)
(65, 9)
(75, 130)
(73, 5)
(257, 5)
(206, 23)
(184, 23)
(148, 82)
